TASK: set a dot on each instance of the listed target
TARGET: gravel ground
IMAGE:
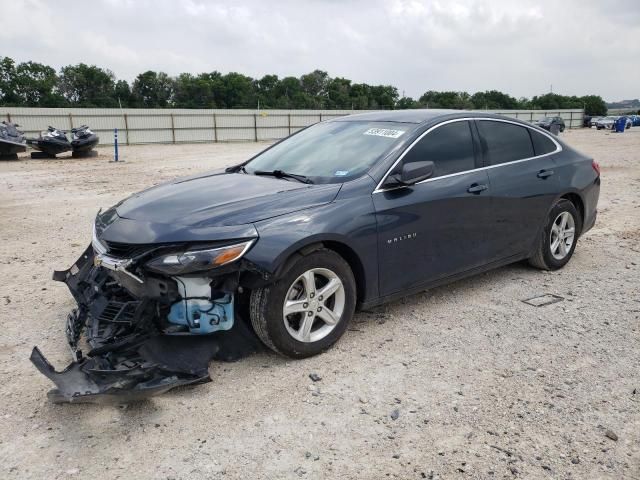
(463, 381)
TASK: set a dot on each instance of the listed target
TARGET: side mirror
(411, 174)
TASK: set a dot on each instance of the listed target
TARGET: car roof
(418, 116)
(402, 116)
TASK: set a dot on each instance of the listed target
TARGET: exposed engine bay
(146, 330)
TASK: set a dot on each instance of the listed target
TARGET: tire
(548, 254)
(287, 334)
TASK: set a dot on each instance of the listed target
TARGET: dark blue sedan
(348, 213)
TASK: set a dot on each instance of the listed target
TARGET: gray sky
(519, 47)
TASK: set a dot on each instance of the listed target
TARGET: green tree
(153, 90)
(406, 102)
(594, 105)
(360, 94)
(493, 100)
(449, 99)
(216, 86)
(194, 91)
(122, 94)
(238, 91)
(35, 86)
(338, 93)
(7, 82)
(288, 92)
(383, 96)
(314, 85)
(88, 86)
(267, 90)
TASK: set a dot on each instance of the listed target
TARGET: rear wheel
(309, 308)
(559, 237)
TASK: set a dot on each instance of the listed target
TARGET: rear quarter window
(505, 142)
(541, 143)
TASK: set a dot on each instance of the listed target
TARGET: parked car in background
(547, 122)
(635, 120)
(593, 121)
(605, 122)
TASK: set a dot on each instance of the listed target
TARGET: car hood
(223, 199)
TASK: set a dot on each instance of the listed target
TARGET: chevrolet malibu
(281, 249)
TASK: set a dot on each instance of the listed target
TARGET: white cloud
(518, 47)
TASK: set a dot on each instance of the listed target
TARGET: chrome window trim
(379, 188)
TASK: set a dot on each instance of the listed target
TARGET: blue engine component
(197, 311)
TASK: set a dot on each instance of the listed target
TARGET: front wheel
(309, 308)
(559, 237)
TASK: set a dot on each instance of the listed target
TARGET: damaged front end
(150, 318)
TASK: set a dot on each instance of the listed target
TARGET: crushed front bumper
(129, 357)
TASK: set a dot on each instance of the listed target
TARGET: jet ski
(12, 140)
(50, 143)
(83, 140)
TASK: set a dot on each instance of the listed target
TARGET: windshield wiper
(281, 174)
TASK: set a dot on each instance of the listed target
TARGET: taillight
(595, 166)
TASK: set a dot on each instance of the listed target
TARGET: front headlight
(198, 260)
(98, 246)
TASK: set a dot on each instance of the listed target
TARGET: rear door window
(449, 147)
(541, 143)
(505, 142)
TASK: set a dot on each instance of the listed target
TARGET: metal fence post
(8, 117)
(255, 126)
(126, 127)
(289, 118)
(173, 129)
(570, 119)
(115, 144)
(215, 128)
(70, 121)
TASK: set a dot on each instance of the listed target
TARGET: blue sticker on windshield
(341, 173)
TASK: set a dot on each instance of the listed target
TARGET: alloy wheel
(314, 305)
(562, 235)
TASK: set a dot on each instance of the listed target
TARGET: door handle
(476, 188)
(545, 173)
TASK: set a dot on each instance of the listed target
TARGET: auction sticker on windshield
(384, 132)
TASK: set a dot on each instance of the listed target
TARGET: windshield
(547, 119)
(332, 152)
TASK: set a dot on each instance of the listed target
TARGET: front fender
(349, 222)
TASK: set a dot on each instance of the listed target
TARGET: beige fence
(141, 126)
